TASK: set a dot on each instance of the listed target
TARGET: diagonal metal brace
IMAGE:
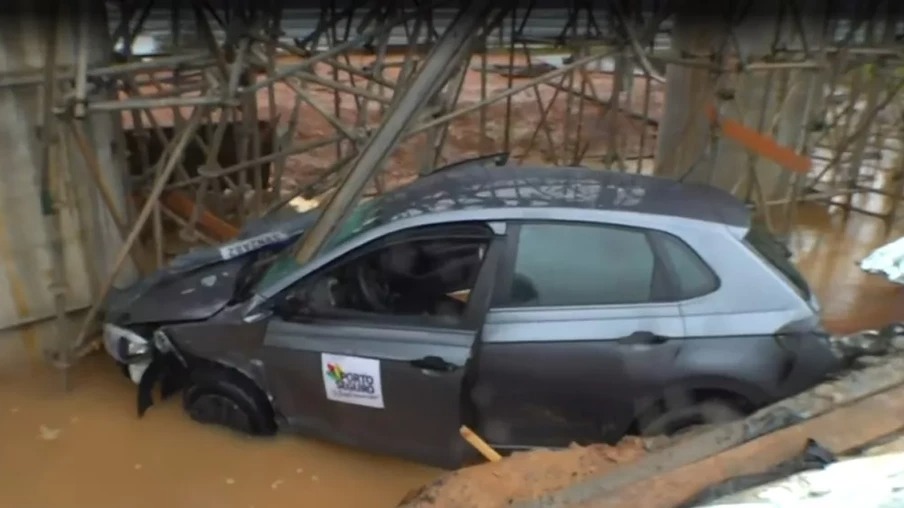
(445, 57)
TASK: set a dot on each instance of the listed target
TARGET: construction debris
(523, 475)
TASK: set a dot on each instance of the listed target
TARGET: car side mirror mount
(293, 306)
(258, 315)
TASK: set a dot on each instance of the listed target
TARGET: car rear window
(777, 255)
(693, 277)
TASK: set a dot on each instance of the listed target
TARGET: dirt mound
(523, 475)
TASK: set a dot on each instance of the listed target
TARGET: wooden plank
(765, 146)
(840, 431)
(213, 225)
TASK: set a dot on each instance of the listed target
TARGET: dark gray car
(540, 306)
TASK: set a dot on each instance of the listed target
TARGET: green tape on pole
(46, 202)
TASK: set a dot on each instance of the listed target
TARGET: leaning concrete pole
(435, 71)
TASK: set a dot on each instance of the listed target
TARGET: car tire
(220, 396)
(680, 420)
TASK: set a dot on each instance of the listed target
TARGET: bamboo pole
(170, 165)
(106, 194)
(49, 202)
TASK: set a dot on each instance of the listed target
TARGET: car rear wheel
(677, 421)
(220, 396)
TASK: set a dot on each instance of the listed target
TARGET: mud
(522, 476)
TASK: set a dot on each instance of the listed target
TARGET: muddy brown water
(88, 449)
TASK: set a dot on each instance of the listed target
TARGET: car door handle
(643, 338)
(433, 363)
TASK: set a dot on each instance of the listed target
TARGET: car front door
(575, 333)
(385, 376)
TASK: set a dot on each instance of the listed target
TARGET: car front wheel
(220, 396)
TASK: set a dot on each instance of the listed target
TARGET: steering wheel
(373, 288)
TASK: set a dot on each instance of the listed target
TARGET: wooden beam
(216, 227)
(180, 204)
(764, 145)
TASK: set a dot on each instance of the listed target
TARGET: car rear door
(377, 383)
(564, 355)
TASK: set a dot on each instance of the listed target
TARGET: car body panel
(226, 339)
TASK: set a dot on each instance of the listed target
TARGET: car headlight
(128, 348)
(125, 345)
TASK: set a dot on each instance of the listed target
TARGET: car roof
(484, 188)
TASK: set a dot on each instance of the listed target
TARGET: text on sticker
(236, 249)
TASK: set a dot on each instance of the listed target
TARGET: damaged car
(538, 306)
(200, 283)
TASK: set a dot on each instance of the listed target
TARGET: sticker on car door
(352, 379)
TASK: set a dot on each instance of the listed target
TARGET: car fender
(754, 365)
(225, 341)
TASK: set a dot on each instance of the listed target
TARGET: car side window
(429, 278)
(560, 264)
(692, 276)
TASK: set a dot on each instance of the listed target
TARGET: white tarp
(887, 260)
(863, 482)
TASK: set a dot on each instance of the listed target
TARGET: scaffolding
(235, 116)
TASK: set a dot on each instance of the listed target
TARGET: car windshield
(364, 217)
(777, 255)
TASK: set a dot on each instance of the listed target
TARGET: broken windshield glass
(362, 218)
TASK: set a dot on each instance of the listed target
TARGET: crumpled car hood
(887, 260)
(198, 284)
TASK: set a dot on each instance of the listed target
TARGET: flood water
(88, 449)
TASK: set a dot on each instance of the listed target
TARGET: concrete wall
(89, 237)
